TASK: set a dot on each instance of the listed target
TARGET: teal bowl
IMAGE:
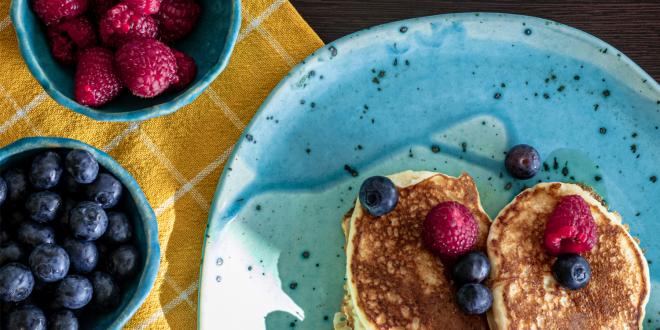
(137, 208)
(210, 44)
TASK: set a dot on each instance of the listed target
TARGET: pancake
(526, 295)
(393, 282)
(346, 318)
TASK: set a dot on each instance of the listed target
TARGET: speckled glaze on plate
(449, 93)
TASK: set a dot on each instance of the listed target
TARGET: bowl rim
(185, 98)
(149, 223)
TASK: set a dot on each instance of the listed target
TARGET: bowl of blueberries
(78, 240)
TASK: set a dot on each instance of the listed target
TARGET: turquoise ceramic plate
(380, 101)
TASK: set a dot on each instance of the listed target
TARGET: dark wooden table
(631, 26)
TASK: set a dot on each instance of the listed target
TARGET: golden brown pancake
(526, 295)
(393, 282)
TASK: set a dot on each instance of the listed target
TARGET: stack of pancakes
(393, 282)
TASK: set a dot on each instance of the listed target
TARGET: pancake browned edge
(393, 282)
(526, 296)
(345, 318)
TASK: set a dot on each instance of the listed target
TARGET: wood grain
(633, 27)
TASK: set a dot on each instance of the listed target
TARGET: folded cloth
(176, 159)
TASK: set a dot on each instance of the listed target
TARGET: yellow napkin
(176, 159)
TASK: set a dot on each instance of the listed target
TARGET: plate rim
(584, 36)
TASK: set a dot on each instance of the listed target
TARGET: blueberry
(82, 166)
(11, 252)
(474, 298)
(32, 234)
(49, 262)
(87, 221)
(16, 185)
(45, 170)
(62, 220)
(73, 292)
(43, 206)
(105, 190)
(16, 282)
(123, 262)
(572, 271)
(5, 308)
(471, 268)
(104, 249)
(63, 320)
(69, 185)
(378, 195)
(106, 292)
(4, 235)
(3, 191)
(83, 255)
(523, 161)
(43, 293)
(27, 317)
(119, 228)
(13, 219)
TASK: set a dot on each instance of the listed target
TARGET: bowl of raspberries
(78, 240)
(125, 60)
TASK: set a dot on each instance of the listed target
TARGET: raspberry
(80, 30)
(144, 7)
(61, 46)
(450, 229)
(98, 8)
(146, 66)
(121, 24)
(570, 227)
(52, 11)
(186, 70)
(69, 37)
(96, 81)
(177, 18)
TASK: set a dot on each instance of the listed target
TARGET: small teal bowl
(210, 44)
(137, 208)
